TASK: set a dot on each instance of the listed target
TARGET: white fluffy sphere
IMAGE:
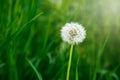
(73, 33)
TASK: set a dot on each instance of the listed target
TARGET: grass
(31, 29)
(37, 73)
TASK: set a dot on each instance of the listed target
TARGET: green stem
(69, 64)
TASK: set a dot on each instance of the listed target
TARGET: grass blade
(99, 57)
(19, 30)
(35, 70)
(77, 69)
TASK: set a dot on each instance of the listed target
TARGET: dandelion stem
(69, 63)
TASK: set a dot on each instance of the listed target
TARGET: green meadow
(31, 47)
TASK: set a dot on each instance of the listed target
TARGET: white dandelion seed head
(73, 33)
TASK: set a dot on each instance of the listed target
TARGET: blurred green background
(31, 47)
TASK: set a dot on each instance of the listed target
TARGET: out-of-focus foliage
(31, 29)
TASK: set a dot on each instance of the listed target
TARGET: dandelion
(72, 33)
